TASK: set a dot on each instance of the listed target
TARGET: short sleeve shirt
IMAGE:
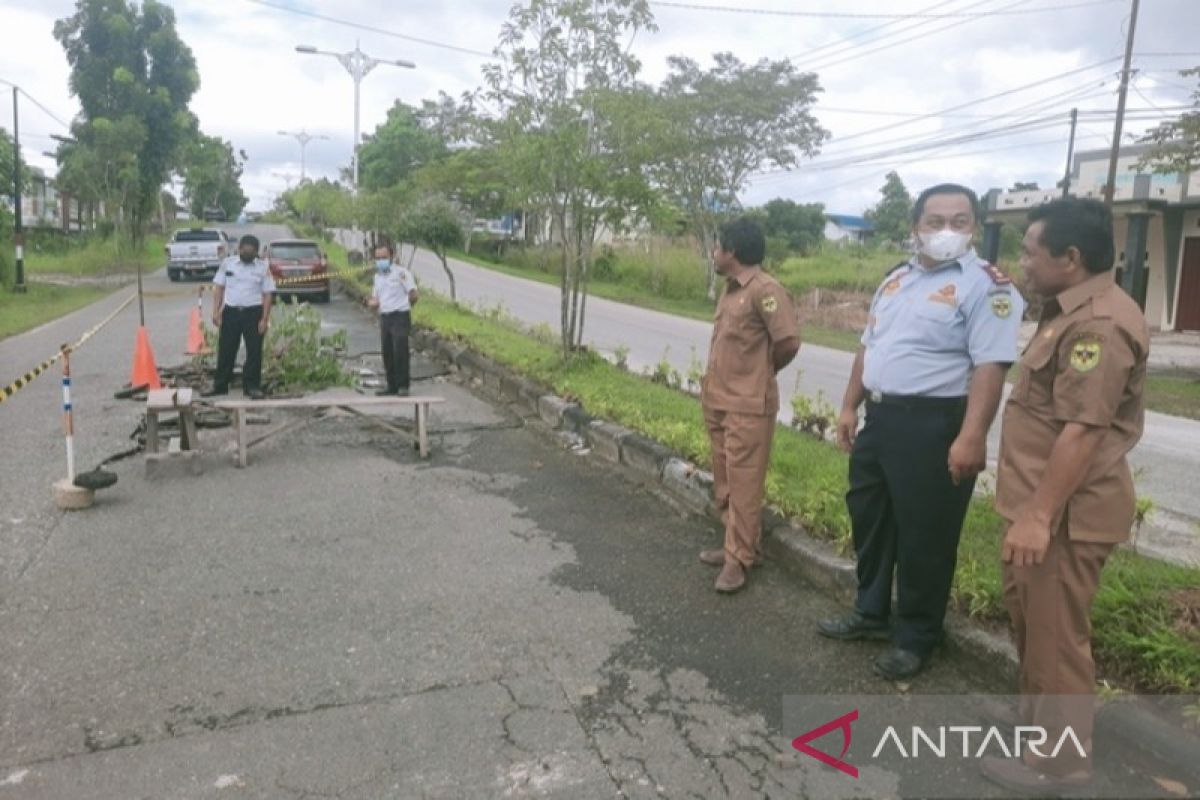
(245, 284)
(930, 327)
(1085, 364)
(753, 314)
(392, 288)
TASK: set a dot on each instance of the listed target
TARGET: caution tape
(28, 377)
(341, 273)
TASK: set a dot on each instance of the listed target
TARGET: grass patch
(1143, 635)
(1174, 393)
(42, 303)
(94, 256)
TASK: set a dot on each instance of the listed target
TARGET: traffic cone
(196, 346)
(144, 371)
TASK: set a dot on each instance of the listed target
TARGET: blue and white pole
(68, 420)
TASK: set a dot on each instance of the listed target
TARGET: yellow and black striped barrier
(340, 273)
(20, 383)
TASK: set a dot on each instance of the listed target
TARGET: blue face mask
(382, 264)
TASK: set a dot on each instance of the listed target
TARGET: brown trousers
(741, 449)
(1050, 605)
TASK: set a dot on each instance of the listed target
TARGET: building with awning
(1157, 227)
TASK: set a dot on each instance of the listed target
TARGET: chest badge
(891, 287)
(948, 295)
(1002, 306)
(1085, 355)
(770, 305)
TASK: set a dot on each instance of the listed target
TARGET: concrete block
(493, 378)
(605, 439)
(173, 465)
(817, 562)
(688, 485)
(472, 363)
(551, 409)
(645, 455)
(517, 389)
(70, 497)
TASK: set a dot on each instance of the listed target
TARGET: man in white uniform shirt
(242, 291)
(394, 295)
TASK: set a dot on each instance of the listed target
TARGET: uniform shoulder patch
(769, 304)
(1001, 305)
(1085, 353)
(996, 274)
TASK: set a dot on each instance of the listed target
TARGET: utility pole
(18, 227)
(1070, 152)
(1110, 187)
(303, 137)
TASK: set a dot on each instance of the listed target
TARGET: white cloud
(253, 83)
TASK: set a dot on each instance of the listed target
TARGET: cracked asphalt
(340, 619)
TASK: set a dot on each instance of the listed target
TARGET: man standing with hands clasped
(1063, 483)
(754, 336)
(394, 295)
(242, 290)
(941, 335)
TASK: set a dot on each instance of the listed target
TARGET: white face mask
(945, 245)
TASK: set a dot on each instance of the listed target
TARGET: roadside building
(844, 228)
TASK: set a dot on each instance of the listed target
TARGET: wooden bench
(170, 401)
(240, 408)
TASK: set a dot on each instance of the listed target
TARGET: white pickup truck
(196, 251)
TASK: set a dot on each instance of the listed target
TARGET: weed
(621, 357)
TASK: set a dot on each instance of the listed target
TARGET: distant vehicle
(299, 258)
(253, 216)
(214, 214)
(196, 251)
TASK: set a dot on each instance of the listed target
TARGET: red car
(290, 259)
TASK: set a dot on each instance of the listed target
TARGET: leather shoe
(254, 394)
(714, 558)
(1015, 775)
(852, 627)
(732, 577)
(898, 665)
(215, 391)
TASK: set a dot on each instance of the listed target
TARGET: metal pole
(1070, 152)
(1110, 187)
(68, 420)
(358, 76)
(18, 226)
(141, 302)
(303, 147)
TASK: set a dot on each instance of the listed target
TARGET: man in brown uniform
(1063, 483)
(754, 336)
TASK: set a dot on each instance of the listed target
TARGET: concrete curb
(816, 561)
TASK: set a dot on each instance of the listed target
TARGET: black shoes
(852, 627)
(899, 665)
(215, 391)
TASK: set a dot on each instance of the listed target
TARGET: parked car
(299, 258)
(196, 251)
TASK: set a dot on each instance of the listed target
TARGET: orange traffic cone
(196, 346)
(144, 371)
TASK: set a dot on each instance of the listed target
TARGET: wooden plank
(151, 431)
(240, 418)
(387, 426)
(326, 402)
(187, 426)
(287, 426)
(422, 433)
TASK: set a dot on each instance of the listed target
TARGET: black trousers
(394, 328)
(906, 515)
(238, 324)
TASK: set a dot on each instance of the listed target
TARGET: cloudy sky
(888, 83)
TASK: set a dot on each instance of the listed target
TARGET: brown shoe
(1015, 775)
(732, 577)
(714, 558)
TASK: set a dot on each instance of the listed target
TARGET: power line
(45, 110)
(859, 15)
(369, 28)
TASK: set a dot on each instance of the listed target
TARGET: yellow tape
(341, 273)
(27, 378)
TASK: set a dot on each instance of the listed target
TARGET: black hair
(385, 246)
(1079, 222)
(248, 238)
(944, 188)
(744, 238)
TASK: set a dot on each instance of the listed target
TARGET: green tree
(396, 149)
(709, 130)
(100, 168)
(434, 223)
(211, 173)
(802, 226)
(323, 204)
(892, 215)
(474, 180)
(130, 69)
(555, 61)
(1175, 145)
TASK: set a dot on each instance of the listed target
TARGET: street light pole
(18, 227)
(1110, 185)
(303, 137)
(359, 65)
